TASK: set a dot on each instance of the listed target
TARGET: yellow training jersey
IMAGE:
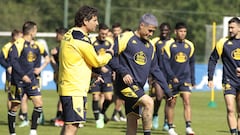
(76, 59)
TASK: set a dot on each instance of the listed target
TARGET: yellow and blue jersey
(100, 47)
(22, 57)
(136, 56)
(159, 44)
(179, 61)
(41, 51)
(76, 59)
(229, 51)
(4, 58)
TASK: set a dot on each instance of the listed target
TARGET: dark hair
(27, 27)
(115, 25)
(85, 12)
(234, 19)
(102, 26)
(180, 25)
(15, 32)
(61, 30)
(164, 24)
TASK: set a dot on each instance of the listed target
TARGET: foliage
(49, 14)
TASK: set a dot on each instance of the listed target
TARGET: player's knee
(147, 101)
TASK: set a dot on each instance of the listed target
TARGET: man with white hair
(134, 60)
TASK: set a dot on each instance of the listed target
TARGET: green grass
(205, 120)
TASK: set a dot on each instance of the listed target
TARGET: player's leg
(231, 118)
(72, 116)
(238, 111)
(132, 124)
(23, 114)
(15, 99)
(187, 111)
(147, 103)
(170, 115)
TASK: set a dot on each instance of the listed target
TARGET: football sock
(35, 115)
(188, 124)
(106, 104)
(147, 132)
(11, 121)
(156, 107)
(95, 109)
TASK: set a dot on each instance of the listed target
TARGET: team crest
(101, 51)
(140, 58)
(31, 56)
(181, 57)
(236, 54)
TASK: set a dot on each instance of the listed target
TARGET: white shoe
(115, 118)
(189, 131)
(172, 132)
(100, 121)
(24, 123)
(33, 132)
(122, 119)
(81, 125)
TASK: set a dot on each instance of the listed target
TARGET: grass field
(205, 120)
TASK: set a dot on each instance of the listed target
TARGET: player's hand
(110, 50)
(238, 71)
(37, 71)
(175, 80)
(210, 84)
(127, 79)
(26, 79)
(99, 79)
(9, 70)
(104, 69)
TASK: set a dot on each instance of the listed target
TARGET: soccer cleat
(24, 123)
(165, 127)
(100, 121)
(115, 118)
(189, 131)
(172, 132)
(33, 132)
(155, 122)
(122, 119)
(59, 123)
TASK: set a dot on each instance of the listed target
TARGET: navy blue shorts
(180, 88)
(74, 109)
(131, 96)
(101, 87)
(17, 91)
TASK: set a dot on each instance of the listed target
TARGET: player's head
(165, 30)
(59, 33)
(234, 27)
(86, 17)
(181, 30)
(16, 34)
(103, 31)
(29, 28)
(116, 29)
(147, 25)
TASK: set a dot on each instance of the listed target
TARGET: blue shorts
(74, 109)
(101, 87)
(230, 89)
(131, 96)
(180, 88)
(17, 91)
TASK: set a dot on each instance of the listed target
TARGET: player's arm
(192, 68)
(53, 62)
(91, 57)
(167, 65)
(3, 61)
(14, 61)
(46, 59)
(159, 77)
